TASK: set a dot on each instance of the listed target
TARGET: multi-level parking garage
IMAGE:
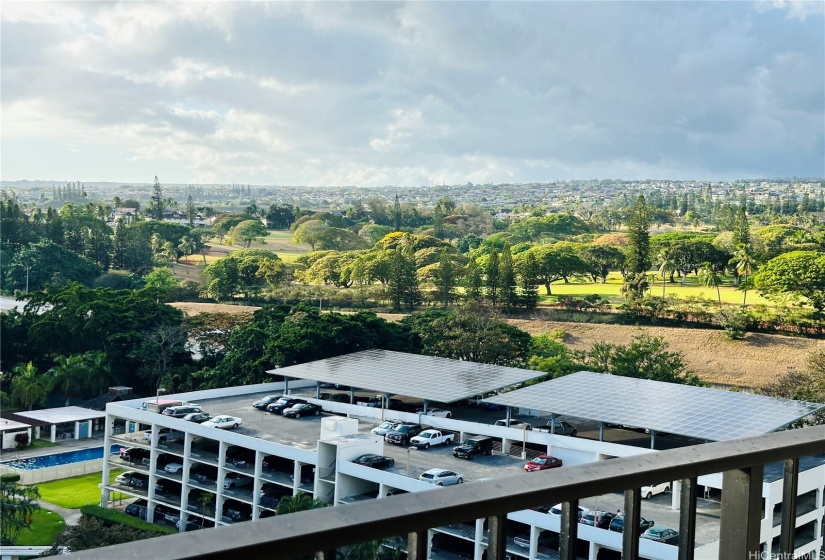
(285, 456)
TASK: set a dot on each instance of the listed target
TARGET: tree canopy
(798, 275)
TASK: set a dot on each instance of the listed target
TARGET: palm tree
(745, 266)
(187, 245)
(666, 266)
(67, 375)
(709, 276)
(28, 387)
(299, 502)
(156, 242)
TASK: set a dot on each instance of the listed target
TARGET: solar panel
(411, 375)
(699, 412)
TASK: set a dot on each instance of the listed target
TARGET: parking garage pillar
(54, 433)
(77, 429)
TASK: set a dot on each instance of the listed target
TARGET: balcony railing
(322, 532)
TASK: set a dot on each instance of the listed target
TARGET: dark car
(600, 519)
(139, 480)
(374, 461)
(264, 402)
(472, 446)
(335, 397)
(661, 534)
(197, 417)
(543, 462)
(302, 409)
(136, 509)
(617, 524)
(134, 454)
(282, 404)
(401, 434)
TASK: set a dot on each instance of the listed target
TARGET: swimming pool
(55, 459)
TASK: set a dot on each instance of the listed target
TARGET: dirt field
(756, 360)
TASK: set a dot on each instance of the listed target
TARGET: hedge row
(9, 477)
(113, 516)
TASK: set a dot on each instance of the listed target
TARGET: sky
(411, 94)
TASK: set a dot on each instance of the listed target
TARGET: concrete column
(741, 512)
(594, 551)
(296, 477)
(107, 444)
(256, 485)
(77, 429)
(534, 541)
(91, 426)
(54, 433)
(37, 432)
(479, 550)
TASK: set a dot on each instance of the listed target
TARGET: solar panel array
(411, 375)
(699, 412)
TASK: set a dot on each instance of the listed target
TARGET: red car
(543, 462)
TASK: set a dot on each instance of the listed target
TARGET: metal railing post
(569, 530)
(632, 519)
(417, 545)
(741, 512)
(687, 518)
(790, 486)
(497, 538)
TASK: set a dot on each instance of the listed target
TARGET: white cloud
(414, 93)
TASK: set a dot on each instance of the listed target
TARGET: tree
(298, 502)
(446, 278)
(38, 263)
(709, 276)
(471, 333)
(246, 232)
(17, 506)
(745, 264)
(798, 275)
(507, 278)
(191, 211)
(158, 351)
(555, 263)
(528, 273)
(402, 283)
(645, 358)
(157, 200)
(187, 246)
(492, 277)
(601, 259)
(666, 267)
(243, 272)
(28, 387)
(807, 385)
(91, 533)
(638, 251)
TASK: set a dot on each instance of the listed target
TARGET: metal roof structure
(699, 412)
(411, 375)
(62, 414)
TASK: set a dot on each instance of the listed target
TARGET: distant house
(126, 214)
(819, 216)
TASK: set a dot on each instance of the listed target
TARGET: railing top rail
(304, 532)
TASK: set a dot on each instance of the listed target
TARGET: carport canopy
(397, 373)
(698, 412)
(63, 415)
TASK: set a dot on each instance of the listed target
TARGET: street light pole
(524, 441)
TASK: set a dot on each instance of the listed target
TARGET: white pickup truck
(432, 437)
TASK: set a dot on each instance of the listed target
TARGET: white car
(383, 428)
(223, 421)
(437, 412)
(654, 489)
(441, 477)
(173, 467)
(556, 510)
(233, 479)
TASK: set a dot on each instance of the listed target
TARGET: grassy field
(74, 492)
(46, 527)
(611, 291)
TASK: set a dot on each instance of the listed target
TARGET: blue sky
(381, 93)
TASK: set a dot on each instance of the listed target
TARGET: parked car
(204, 474)
(302, 409)
(283, 403)
(432, 437)
(661, 534)
(441, 477)
(561, 428)
(384, 428)
(543, 462)
(198, 417)
(654, 489)
(264, 402)
(164, 435)
(472, 446)
(617, 524)
(165, 486)
(556, 510)
(595, 518)
(224, 422)
(134, 454)
(237, 511)
(234, 480)
(437, 412)
(401, 434)
(515, 424)
(374, 461)
(173, 467)
(136, 509)
(182, 410)
(133, 479)
(336, 397)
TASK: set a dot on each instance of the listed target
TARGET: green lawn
(74, 492)
(41, 443)
(46, 527)
(612, 291)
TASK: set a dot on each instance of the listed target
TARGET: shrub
(113, 517)
(9, 478)
(734, 323)
(21, 439)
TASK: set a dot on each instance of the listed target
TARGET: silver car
(441, 477)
